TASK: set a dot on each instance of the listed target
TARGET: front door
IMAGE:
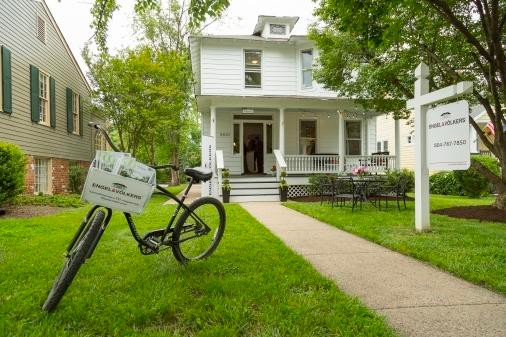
(253, 148)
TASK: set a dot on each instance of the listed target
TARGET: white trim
(346, 137)
(302, 69)
(77, 112)
(48, 91)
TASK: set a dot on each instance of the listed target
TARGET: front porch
(305, 136)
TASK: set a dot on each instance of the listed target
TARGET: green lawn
(252, 286)
(470, 249)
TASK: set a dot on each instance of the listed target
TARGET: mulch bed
(482, 213)
(28, 211)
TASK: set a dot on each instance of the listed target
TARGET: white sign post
(423, 98)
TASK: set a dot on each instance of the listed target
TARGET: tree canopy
(370, 48)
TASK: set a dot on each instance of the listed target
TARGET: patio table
(363, 187)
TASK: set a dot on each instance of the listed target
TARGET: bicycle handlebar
(116, 149)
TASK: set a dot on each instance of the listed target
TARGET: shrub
(316, 181)
(445, 183)
(473, 182)
(12, 171)
(393, 176)
(76, 178)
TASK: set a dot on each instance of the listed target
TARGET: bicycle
(195, 235)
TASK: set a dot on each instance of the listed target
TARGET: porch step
(249, 179)
(254, 191)
(253, 185)
(249, 198)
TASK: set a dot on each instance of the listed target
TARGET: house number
(224, 134)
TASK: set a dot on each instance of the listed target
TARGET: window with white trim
(41, 29)
(253, 68)
(306, 57)
(277, 29)
(75, 113)
(353, 133)
(307, 136)
(41, 169)
(378, 147)
(43, 98)
(385, 145)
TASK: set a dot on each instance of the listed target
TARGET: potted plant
(273, 170)
(283, 187)
(225, 186)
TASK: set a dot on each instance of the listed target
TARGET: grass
(65, 200)
(253, 285)
(470, 249)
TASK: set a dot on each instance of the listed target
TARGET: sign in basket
(116, 180)
(448, 146)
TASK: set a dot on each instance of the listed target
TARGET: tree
(198, 10)
(369, 49)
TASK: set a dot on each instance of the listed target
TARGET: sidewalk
(416, 299)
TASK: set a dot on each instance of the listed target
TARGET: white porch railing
(304, 164)
(280, 163)
(374, 164)
(300, 164)
(220, 165)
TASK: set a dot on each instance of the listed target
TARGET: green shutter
(70, 123)
(34, 93)
(80, 116)
(6, 81)
(52, 101)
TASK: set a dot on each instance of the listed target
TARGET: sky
(74, 19)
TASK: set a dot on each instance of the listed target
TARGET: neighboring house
(260, 108)
(385, 137)
(45, 98)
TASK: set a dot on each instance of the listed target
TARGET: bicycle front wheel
(194, 240)
(73, 262)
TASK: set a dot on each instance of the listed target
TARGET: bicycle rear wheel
(73, 262)
(193, 240)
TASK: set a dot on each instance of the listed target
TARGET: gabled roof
(67, 48)
(263, 19)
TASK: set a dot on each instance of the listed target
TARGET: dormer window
(277, 29)
(253, 68)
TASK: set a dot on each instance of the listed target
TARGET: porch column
(282, 130)
(342, 150)
(213, 123)
(397, 145)
(365, 140)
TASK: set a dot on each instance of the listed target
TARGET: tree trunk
(175, 174)
(500, 201)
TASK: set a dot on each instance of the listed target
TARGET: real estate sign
(448, 145)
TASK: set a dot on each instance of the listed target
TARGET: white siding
(222, 69)
(371, 135)
(385, 128)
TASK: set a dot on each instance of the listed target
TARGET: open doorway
(253, 154)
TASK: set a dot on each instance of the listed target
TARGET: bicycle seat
(199, 173)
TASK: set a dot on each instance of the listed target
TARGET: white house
(260, 108)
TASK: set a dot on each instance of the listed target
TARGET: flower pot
(283, 193)
(226, 196)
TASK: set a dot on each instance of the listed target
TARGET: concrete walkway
(417, 299)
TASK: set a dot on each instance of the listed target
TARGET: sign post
(420, 103)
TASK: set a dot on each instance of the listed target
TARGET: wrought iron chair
(396, 191)
(346, 189)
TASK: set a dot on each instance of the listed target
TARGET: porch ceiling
(294, 103)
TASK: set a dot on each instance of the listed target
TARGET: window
(277, 29)
(385, 145)
(237, 138)
(41, 167)
(100, 143)
(75, 113)
(43, 98)
(307, 137)
(307, 68)
(269, 138)
(378, 147)
(41, 29)
(252, 68)
(353, 135)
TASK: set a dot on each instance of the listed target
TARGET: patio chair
(326, 189)
(397, 191)
(346, 189)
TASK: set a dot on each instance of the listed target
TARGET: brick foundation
(58, 174)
